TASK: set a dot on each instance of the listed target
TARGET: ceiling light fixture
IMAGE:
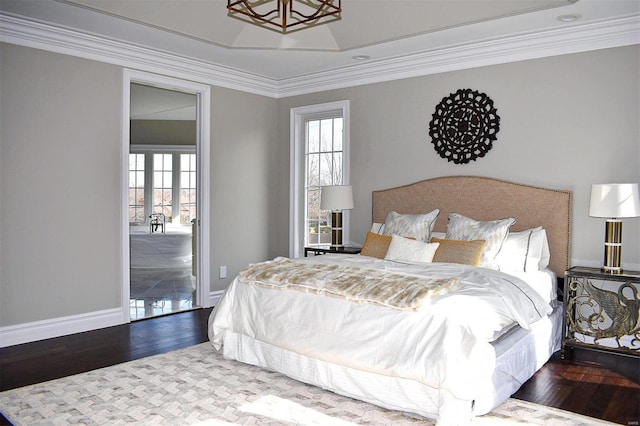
(285, 16)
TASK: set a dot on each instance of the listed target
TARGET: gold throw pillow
(459, 251)
(376, 245)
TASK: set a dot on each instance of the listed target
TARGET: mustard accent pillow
(459, 251)
(376, 245)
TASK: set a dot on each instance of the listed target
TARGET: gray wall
(566, 122)
(60, 181)
(60, 202)
(163, 132)
(243, 168)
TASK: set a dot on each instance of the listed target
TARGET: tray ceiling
(379, 30)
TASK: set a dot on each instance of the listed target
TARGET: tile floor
(160, 274)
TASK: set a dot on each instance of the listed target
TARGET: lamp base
(336, 230)
(611, 271)
(612, 247)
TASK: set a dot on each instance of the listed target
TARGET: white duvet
(445, 344)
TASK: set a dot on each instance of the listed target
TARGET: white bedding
(445, 345)
(544, 282)
(520, 354)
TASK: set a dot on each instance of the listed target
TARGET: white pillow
(524, 251)
(545, 255)
(377, 228)
(493, 232)
(407, 250)
(418, 226)
(515, 252)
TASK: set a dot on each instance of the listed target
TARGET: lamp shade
(337, 197)
(614, 200)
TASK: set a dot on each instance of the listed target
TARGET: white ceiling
(365, 23)
(380, 29)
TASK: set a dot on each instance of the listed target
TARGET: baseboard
(215, 296)
(46, 329)
(63, 326)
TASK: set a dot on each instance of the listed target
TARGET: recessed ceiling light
(568, 18)
(361, 57)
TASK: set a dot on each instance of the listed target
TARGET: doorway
(165, 195)
(162, 201)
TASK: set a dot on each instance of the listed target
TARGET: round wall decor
(464, 126)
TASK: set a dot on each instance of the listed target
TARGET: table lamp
(614, 201)
(336, 198)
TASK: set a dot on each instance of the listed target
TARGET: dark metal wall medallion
(464, 126)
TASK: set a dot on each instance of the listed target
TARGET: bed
(415, 330)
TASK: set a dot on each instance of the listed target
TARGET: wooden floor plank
(595, 384)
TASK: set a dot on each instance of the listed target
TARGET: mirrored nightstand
(602, 310)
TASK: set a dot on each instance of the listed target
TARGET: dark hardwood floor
(595, 384)
(591, 383)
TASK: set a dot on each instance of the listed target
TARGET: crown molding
(602, 35)
(38, 35)
(599, 35)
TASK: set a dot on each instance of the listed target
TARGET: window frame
(134, 186)
(149, 151)
(192, 171)
(298, 118)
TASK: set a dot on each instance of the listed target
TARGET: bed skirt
(520, 353)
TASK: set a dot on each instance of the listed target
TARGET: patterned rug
(197, 386)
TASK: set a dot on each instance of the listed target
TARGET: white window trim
(148, 174)
(149, 184)
(181, 149)
(297, 151)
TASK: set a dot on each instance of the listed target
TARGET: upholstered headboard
(483, 198)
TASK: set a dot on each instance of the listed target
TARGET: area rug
(197, 386)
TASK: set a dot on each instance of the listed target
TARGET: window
(136, 188)
(187, 187)
(170, 188)
(324, 166)
(320, 156)
(163, 184)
